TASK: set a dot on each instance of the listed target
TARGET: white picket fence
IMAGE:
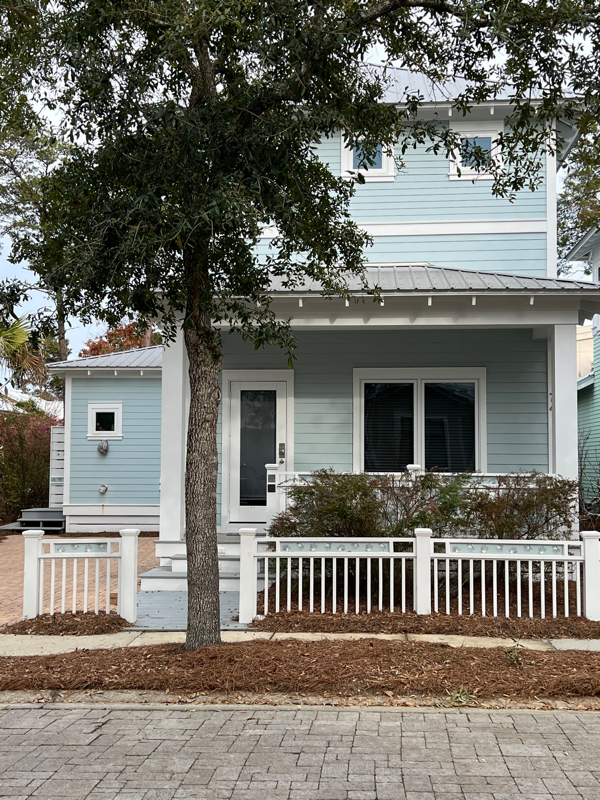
(491, 577)
(80, 574)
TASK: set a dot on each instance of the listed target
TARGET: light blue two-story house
(467, 363)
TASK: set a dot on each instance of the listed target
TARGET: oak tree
(193, 125)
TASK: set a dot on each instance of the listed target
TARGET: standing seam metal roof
(428, 278)
(140, 358)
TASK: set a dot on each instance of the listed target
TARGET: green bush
(331, 504)
(516, 506)
(24, 462)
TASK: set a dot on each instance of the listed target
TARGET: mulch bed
(330, 669)
(409, 622)
(69, 624)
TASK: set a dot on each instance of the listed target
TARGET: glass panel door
(257, 436)
(257, 443)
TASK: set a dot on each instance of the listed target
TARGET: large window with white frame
(434, 418)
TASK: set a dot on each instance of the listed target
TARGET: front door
(257, 437)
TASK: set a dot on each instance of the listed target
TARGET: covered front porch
(452, 370)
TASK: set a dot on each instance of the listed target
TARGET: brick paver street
(254, 753)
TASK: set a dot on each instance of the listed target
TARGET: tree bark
(205, 361)
(60, 327)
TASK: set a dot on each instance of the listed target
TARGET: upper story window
(105, 421)
(477, 141)
(381, 168)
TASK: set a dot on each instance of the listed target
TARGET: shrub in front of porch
(516, 506)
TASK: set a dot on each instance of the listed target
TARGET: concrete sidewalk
(46, 645)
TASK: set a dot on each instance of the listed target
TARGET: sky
(77, 333)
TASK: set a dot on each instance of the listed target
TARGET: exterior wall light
(103, 489)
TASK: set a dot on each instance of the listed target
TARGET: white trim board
(454, 227)
(230, 376)
(67, 426)
(552, 233)
(417, 375)
(97, 517)
(443, 227)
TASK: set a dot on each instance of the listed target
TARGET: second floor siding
(423, 214)
(423, 191)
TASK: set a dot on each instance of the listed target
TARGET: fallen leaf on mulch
(409, 622)
(78, 624)
(340, 668)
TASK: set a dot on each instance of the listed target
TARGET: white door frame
(230, 376)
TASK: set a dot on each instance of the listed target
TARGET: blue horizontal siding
(422, 191)
(131, 469)
(516, 369)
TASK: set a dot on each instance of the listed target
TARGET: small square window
(472, 150)
(105, 421)
(379, 167)
(478, 142)
(359, 162)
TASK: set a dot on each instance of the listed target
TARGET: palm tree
(16, 357)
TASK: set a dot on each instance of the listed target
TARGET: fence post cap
(33, 534)
(423, 532)
(248, 532)
(129, 532)
(589, 534)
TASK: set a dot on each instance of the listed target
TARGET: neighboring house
(588, 392)
(588, 402)
(468, 363)
(585, 350)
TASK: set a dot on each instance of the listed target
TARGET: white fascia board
(109, 510)
(126, 372)
(509, 310)
(584, 246)
(585, 381)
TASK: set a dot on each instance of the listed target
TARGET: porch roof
(429, 279)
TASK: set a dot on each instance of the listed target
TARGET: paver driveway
(11, 574)
(265, 754)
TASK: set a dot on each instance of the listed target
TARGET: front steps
(171, 576)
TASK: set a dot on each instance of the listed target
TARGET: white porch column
(173, 440)
(563, 401)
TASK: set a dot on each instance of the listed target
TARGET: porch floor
(167, 611)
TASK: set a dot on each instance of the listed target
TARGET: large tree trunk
(203, 627)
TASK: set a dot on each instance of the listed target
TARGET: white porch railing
(491, 577)
(280, 481)
(80, 574)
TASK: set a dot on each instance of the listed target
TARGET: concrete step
(226, 563)
(49, 520)
(165, 579)
(166, 549)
